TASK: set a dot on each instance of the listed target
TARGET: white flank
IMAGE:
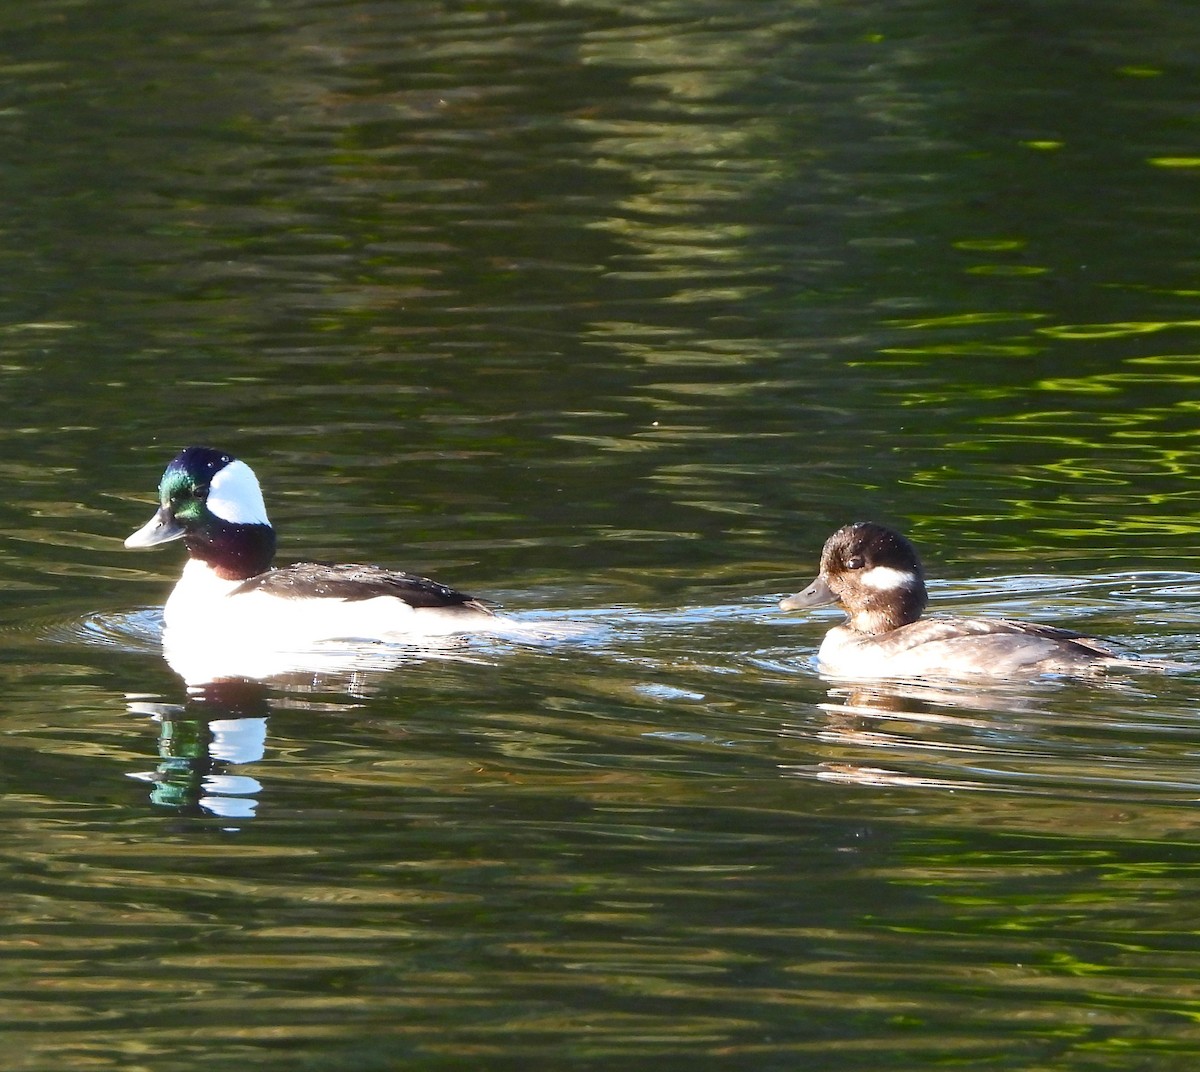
(887, 578)
(235, 496)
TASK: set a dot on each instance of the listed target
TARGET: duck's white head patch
(234, 496)
(888, 579)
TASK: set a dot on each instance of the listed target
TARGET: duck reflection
(202, 742)
(221, 725)
(947, 736)
(933, 701)
(231, 688)
(919, 734)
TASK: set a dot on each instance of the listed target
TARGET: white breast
(204, 606)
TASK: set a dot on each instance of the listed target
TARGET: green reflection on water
(968, 319)
(1114, 331)
(987, 245)
(967, 349)
(1007, 269)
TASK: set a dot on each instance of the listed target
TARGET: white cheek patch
(887, 579)
(234, 496)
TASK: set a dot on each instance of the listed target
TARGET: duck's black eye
(855, 562)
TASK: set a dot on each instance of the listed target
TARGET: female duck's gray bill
(161, 528)
(817, 594)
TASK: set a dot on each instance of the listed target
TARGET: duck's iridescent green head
(213, 503)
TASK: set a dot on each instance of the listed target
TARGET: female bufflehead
(229, 592)
(877, 577)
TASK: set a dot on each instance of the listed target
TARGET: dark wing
(934, 629)
(352, 582)
(1092, 645)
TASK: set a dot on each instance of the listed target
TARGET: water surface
(610, 313)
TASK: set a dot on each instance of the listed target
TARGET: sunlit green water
(611, 313)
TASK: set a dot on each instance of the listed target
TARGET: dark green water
(610, 312)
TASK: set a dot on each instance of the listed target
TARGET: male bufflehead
(230, 592)
(877, 577)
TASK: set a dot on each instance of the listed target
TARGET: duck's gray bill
(161, 528)
(817, 594)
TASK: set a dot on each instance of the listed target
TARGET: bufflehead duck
(230, 593)
(875, 574)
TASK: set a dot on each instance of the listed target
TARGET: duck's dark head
(212, 502)
(874, 572)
